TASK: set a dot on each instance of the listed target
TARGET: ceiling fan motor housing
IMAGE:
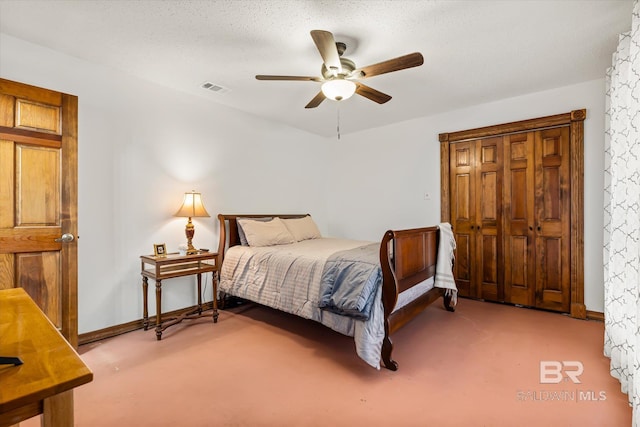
(347, 68)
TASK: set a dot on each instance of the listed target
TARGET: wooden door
(552, 217)
(476, 217)
(488, 215)
(542, 258)
(519, 241)
(463, 181)
(537, 219)
(38, 199)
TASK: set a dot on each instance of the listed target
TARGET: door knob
(65, 238)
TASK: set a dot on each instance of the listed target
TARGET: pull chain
(338, 126)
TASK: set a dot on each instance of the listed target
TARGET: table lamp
(191, 207)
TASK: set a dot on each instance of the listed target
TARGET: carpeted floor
(479, 366)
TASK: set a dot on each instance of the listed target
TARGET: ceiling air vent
(214, 87)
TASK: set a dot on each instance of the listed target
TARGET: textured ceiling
(475, 51)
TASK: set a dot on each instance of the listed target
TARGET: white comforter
(287, 277)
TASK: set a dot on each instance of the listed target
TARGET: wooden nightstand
(173, 265)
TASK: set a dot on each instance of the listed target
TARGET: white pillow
(260, 233)
(302, 228)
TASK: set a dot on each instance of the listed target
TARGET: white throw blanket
(444, 263)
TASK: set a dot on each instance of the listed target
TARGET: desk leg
(57, 410)
(199, 293)
(214, 280)
(159, 309)
(145, 309)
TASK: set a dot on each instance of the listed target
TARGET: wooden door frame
(575, 120)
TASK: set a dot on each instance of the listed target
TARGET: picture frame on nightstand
(160, 249)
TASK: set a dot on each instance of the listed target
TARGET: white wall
(379, 177)
(141, 147)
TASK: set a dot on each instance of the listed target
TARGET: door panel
(38, 116)
(37, 186)
(488, 264)
(39, 274)
(552, 195)
(462, 266)
(519, 271)
(38, 199)
(552, 219)
(476, 191)
(462, 215)
(463, 195)
(488, 214)
(488, 202)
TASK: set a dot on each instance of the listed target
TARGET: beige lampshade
(192, 206)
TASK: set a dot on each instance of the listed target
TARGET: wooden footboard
(407, 258)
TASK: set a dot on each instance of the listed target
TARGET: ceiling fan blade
(372, 94)
(316, 100)
(294, 78)
(402, 62)
(326, 45)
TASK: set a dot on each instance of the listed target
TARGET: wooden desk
(52, 368)
(173, 265)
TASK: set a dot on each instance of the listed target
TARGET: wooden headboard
(229, 229)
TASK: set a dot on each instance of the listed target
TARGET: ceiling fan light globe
(338, 89)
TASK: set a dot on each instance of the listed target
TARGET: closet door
(552, 216)
(537, 219)
(514, 195)
(462, 182)
(476, 217)
(519, 232)
(488, 227)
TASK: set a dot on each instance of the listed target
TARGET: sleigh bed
(303, 274)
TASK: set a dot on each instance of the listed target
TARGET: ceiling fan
(340, 75)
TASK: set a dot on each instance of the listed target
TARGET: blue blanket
(349, 281)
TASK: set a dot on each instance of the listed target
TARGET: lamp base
(189, 232)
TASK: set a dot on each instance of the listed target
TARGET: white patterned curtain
(622, 215)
